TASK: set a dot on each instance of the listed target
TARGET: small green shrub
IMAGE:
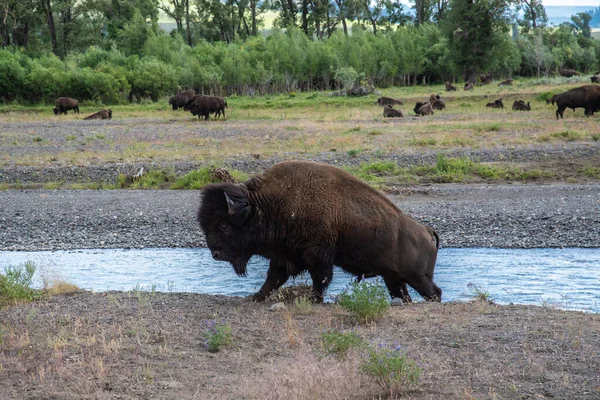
(569, 136)
(201, 177)
(354, 152)
(366, 301)
(153, 179)
(591, 172)
(480, 294)
(595, 137)
(339, 343)
(392, 368)
(303, 305)
(15, 285)
(216, 336)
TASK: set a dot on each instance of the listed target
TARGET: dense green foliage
(113, 51)
(15, 285)
(367, 301)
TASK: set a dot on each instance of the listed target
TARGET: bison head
(55, 109)
(224, 217)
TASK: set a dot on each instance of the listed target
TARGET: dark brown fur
(567, 73)
(469, 86)
(520, 105)
(308, 216)
(450, 87)
(595, 79)
(424, 108)
(64, 104)
(384, 101)
(389, 112)
(587, 97)
(102, 114)
(436, 102)
(203, 106)
(180, 100)
(485, 78)
(496, 104)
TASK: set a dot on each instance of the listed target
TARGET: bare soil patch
(144, 345)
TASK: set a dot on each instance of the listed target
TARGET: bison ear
(237, 204)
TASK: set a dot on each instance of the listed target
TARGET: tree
(534, 14)
(18, 19)
(581, 23)
(473, 28)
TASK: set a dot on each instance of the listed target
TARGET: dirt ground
(150, 345)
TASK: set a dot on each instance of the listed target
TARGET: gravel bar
(505, 216)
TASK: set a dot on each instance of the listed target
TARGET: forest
(115, 51)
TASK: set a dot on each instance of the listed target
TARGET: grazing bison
(180, 100)
(595, 79)
(203, 106)
(102, 114)
(586, 96)
(507, 82)
(64, 104)
(423, 108)
(389, 112)
(308, 216)
(485, 78)
(384, 101)
(567, 73)
(450, 87)
(496, 104)
(436, 102)
(469, 86)
(519, 105)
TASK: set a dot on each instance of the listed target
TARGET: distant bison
(436, 102)
(496, 104)
(450, 87)
(102, 114)
(180, 100)
(203, 106)
(507, 82)
(469, 86)
(389, 112)
(587, 97)
(567, 73)
(519, 105)
(384, 101)
(485, 78)
(423, 108)
(64, 104)
(308, 216)
(595, 79)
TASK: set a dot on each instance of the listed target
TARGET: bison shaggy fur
(389, 112)
(423, 108)
(384, 101)
(469, 86)
(567, 73)
(64, 104)
(203, 106)
(436, 102)
(520, 105)
(496, 104)
(308, 216)
(450, 87)
(181, 100)
(586, 96)
(102, 114)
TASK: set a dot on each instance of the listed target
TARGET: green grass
(366, 301)
(15, 285)
(199, 178)
(216, 336)
(339, 343)
(392, 368)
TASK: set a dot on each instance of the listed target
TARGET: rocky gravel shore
(507, 216)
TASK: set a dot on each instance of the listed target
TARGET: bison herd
(198, 104)
(64, 104)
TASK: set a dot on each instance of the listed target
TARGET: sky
(593, 3)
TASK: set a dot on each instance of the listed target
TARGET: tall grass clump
(15, 285)
(393, 370)
(216, 336)
(153, 179)
(201, 177)
(366, 301)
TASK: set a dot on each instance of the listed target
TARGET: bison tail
(436, 237)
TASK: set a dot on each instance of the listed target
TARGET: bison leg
(320, 270)
(426, 288)
(560, 112)
(276, 276)
(397, 288)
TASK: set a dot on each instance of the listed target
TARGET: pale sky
(593, 3)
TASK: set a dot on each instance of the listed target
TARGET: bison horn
(230, 204)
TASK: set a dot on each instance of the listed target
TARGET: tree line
(114, 51)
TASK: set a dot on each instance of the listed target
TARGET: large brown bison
(389, 112)
(450, 87)
(567, 73)
(496, 104)
(520, 105)
(586, 96)
(102, 114)
(423, 108)
(485, 78)
(384, 101)
(64, 104)
(436, 102)
(180, 100)
(203, 106)
(469, 86)
(308, 216)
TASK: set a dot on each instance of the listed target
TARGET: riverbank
(150, 345)
(475, 215)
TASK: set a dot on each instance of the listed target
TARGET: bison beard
(306, 216)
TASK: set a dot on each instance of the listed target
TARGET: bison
(384, 101)
(469, 86)
(595, 79)
(423, 108)
(64, 104)
(496, 104)
(519, 105)
(308, 216)
(567, 73)
(586, 96)
(102, 114)
(450, 87)
(389, 112)
(180, 100)
(203, 106)
(507, 82)
(485, 78)
(436, 102)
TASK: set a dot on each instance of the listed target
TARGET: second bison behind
(307, 216)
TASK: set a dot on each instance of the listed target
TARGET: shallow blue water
(565, 278)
